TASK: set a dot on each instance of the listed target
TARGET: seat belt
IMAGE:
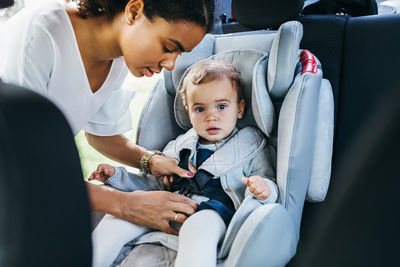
(191, 186)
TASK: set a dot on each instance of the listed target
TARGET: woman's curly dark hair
(200, 12)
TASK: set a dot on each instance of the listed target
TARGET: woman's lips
(148, 72)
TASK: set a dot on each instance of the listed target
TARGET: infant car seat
(289, 101)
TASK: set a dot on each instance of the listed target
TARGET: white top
(38, 50)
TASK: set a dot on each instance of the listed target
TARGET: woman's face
(148, 46)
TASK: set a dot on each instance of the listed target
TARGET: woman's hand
(155, 209)
(168, 179)
(162, 166)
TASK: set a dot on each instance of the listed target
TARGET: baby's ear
(242, 105)
(187, 109)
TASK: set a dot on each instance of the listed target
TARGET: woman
(79, 56)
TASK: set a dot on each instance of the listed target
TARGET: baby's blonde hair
(210, 70)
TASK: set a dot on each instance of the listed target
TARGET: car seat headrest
(354, 8)
(259, 111)
(284, 56)
(263, 14)
(274, 72)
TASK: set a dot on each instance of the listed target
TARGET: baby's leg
(110, 236)
(198, 239)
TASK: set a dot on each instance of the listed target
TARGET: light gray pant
(198, 239)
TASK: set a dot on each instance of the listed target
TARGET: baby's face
(213, 109)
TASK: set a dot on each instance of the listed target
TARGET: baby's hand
(103, 172)
(257, 186)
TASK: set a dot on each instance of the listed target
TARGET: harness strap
(189, 186)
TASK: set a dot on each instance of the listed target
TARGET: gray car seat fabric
(299, 133)
(291, 104)
(362, 202)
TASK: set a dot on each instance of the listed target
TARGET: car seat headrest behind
(263, 14)
(353, 8)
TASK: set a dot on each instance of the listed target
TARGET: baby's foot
(103, 172)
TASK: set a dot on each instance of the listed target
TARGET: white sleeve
(26, 56)
(114, 117)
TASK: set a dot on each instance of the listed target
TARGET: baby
(229, 164)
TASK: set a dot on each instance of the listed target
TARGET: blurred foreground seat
(44, 211)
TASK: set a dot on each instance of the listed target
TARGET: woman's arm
(153, 209)
(118, 148)
(121, 149)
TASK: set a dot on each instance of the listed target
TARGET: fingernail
(191, 174)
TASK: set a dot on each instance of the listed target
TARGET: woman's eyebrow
(178, 44)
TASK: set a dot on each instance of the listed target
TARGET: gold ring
(176, 217)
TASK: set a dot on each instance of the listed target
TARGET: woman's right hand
(162, 166)
(168, 179)
(155, 209)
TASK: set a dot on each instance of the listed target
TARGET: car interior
(355, 224)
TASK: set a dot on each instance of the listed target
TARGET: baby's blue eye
(221, 107)
(199, 109)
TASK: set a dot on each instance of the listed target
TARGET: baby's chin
(207, 141)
